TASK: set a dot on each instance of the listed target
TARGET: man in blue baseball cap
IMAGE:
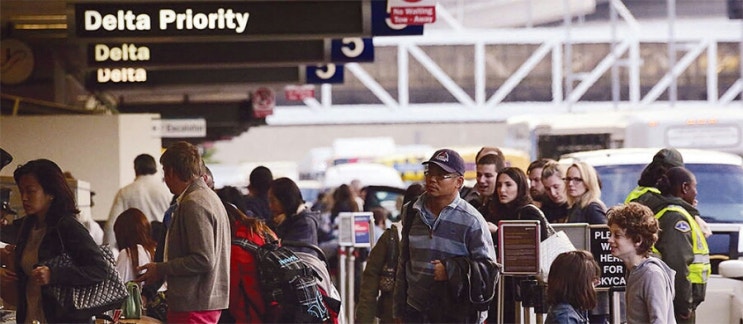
(441, 229)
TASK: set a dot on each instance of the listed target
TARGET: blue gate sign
(326, 73)
(352, 49)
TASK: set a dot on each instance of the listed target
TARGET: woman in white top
(135, 243)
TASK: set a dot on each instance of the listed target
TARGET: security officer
(681, 243)
(662, 161)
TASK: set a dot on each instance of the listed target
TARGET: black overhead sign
(137, 77)
(244, 20)
(122, 78)
(208, 54)
(223, 54)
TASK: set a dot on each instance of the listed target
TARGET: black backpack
(289, 286)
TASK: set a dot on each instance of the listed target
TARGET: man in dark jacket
(257, 199)
(681, 242)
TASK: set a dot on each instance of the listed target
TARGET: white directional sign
(180, 128)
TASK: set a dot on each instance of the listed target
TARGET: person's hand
(492, 227)
(6, 255)
(41, 275)
(686, 316)
(7, 276)
(150, 275)
(439, 271)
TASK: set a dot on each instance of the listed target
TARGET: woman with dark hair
(49, 229)
(571, 292)
(343, 201)
(512, 202)
(135, 243)
(294, 221)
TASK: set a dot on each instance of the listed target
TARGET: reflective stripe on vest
(700, 268)
(639, 191)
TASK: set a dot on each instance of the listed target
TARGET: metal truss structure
(693, 40)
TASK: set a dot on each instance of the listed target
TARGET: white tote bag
(549, 249)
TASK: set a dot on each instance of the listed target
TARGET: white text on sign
(413, 15)
(168, 19)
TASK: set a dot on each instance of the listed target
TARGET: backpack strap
(246, 245)
(313, 247)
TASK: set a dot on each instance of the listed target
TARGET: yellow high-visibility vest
(700, 268)
(639, 191)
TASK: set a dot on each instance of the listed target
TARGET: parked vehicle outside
(719, 185)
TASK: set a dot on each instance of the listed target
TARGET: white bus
(552, 135)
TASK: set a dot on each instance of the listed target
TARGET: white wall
(292, 143)
(96, 149)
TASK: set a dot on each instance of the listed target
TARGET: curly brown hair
(639, 223)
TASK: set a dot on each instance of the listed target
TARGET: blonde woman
(584, 195)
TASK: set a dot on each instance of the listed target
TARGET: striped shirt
(459, 230)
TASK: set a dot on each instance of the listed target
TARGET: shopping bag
(549, 249)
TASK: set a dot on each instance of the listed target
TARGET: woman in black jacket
(514, 203)
(294, 221)
(48, 230)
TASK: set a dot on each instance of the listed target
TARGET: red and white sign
(299, 93)
(264, 100)
(412, 12)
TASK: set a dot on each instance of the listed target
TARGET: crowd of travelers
(657, 234)
(439, 264)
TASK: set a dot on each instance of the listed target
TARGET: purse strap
(550, 230)
(408, 218)
(61, 241)
(392, 248)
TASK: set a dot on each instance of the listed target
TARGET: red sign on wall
(264, 100)
(299, 93)
(412, 12)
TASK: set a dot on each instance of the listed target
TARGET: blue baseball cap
(449, 160)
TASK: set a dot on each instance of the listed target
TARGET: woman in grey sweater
(650, 289)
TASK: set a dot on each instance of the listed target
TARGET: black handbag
(157, 306)
(96, 298)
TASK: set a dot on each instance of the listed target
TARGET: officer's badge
(682, 226)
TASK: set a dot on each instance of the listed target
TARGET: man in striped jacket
(442, 226)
